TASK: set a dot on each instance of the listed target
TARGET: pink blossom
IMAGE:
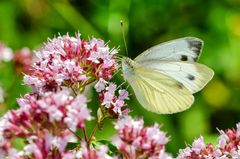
(46, 145)
(228, 147)
(44, 121)
(136, 141)
(59, 142)
(6, 54)
(223, 139)
(6, 149)
(52, 111)
(23, 60)
(92, 153)
(184, 153)
(123, 94)
(69, 61)
(100, 85)
(76, 115)
(115, 104)
(198, 145)
(199, 150)
(229, 143)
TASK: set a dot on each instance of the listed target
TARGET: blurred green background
(30, 22)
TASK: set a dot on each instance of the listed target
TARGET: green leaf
(72, 145)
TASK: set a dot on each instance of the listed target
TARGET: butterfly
(165, 77)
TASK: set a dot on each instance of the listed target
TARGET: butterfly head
(128, 66)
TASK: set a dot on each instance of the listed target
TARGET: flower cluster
(112, 104)
(6, 54)
(228, 147)
(5, 146)
(23, 60)
(229, 143)
(91, 153)
(136, 141)
(71, 61)
(46, 146)
(53, 111)
(46, 121)
(198, 150)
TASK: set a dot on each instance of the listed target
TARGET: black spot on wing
(191, 77)
(184, 58)
(195, 45)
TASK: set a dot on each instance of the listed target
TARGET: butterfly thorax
(128, 67)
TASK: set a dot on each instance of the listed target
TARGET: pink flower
(59, 142)
(44, 121)
(70, 61)
(46, 145)
(92, 153)
(6, 149)
(199, 150)
(76, 115)
(136, 141)
(115, 104)
(228, 147)
(100, 85)
(51, 111)
(223, 139)
(198, 145)
(6, 54)
(184, 153)
(23, 60)
(123, 94)
(229, 143)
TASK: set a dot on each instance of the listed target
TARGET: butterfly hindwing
(159, 93)
(183, 49)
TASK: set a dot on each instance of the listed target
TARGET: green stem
(73, 90)
(74, 134)
(92, 133)
(82, 88)
(85, 135)
(90, 81)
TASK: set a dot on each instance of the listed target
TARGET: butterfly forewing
(183, 49)
(159, 93)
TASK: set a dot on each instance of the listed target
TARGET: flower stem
(82, 88)
(92, 133)
(85, 135)
(74, 134)
(73, 90)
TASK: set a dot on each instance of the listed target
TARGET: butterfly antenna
(121, 85)
(127, 87)
(115, 74)
(124, 38)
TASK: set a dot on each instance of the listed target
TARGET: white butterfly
(165, 76)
